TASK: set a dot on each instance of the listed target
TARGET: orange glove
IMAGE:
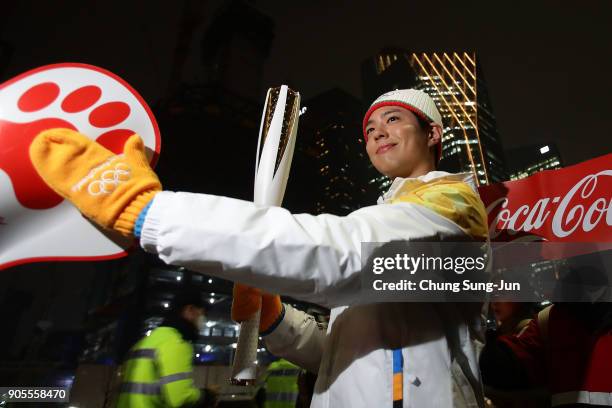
(247, 300)
(107, 188)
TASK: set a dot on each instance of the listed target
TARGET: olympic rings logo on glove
(109, 180)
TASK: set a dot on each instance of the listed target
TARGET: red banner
(573, 204)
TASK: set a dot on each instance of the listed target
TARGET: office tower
(455, 82)
(210, 128)
(331, 170)
(526, 160)
(235, 47)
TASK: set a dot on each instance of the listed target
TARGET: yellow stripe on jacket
(454, 200)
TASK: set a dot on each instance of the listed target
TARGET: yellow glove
(107, 188)
(247, 300)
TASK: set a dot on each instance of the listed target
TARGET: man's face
(505, 310)
(194, 315)
(397, 145)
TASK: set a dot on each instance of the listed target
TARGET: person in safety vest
(371, 355)
(158, 370)
(281, 386)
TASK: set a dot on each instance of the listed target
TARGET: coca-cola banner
(573, 204)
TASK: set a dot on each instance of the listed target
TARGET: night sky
(547, 64)
(548, 67)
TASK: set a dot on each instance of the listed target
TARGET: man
(281, 384)
(158, 370)
(566, 349)
(373, 355)
(511, 317)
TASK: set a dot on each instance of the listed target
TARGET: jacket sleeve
(312, 258)
(176, 374)
(298, 338)
(529, 349)
(516, 360)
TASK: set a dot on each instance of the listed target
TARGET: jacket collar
(404, 184)
(187, 330)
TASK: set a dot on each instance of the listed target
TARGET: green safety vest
(158, 372)
(281, 385)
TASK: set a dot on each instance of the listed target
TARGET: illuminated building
(527, 160)
(330, 162)
(455, 82)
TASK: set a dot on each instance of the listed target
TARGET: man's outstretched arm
(314, 258)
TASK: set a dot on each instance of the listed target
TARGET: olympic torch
(275, 147)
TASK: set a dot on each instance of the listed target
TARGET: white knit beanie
(418, 102)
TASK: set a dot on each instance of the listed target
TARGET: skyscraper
(217, 118)
(330, 164)
(526, 160)
(455, 82)
(235, 47)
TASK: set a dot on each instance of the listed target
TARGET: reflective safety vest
(281, 385)
(158, 372)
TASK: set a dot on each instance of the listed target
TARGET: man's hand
(107, 188)
(247, 300)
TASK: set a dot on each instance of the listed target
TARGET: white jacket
(317, 259)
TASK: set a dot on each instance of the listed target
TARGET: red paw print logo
(88, 99)
(37, 224)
